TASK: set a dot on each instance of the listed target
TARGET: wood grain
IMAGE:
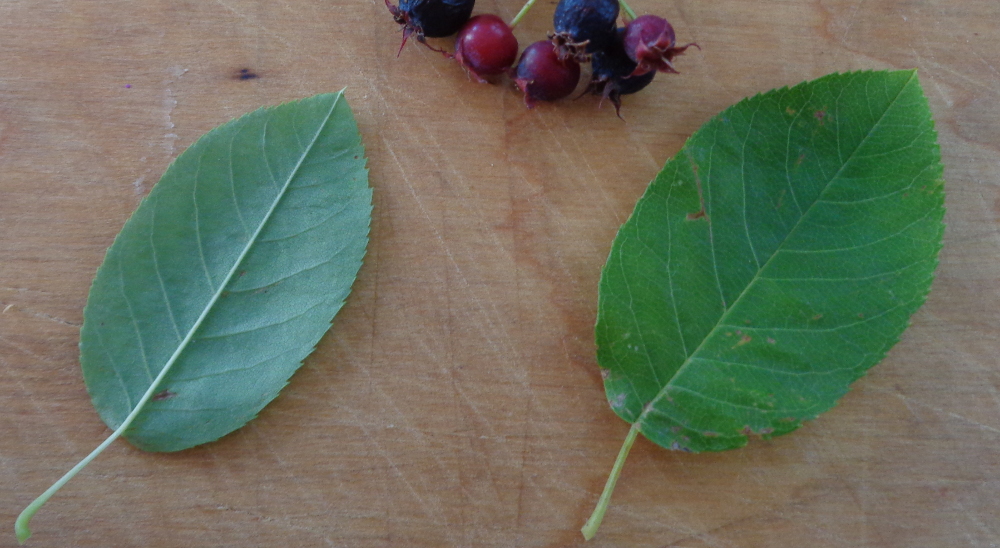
(457, 401)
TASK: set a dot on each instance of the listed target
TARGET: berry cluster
(623, 60)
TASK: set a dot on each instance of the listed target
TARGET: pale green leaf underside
(773, 261)
(230, 271)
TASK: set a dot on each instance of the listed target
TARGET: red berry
(486, 46)
(542, 76)
(650, 42)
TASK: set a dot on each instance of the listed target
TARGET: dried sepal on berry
(583, 27)
(430, 18)
(650, 42)
(542, 76)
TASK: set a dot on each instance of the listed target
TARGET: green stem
(21, 525)
(590, 528)
(524, 11)
(628, 11)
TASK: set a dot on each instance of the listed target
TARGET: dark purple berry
(430, 18)
(650, 42)
(613, 73)
(486, 46)
(542, 76)
(584, 26)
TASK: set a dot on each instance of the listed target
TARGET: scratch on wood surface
(942, 92)
(299, 50)
(580, 156)
(979, 524)
(985, 61)
(760, 512)
(297, 479)
(432, 505)
(40, 411)
(994, 228)
(491, 327)
(277, 520)
(231, 479)
(431, 508)
(908, 400)
(11, 307)
(254, 22)
(851, 20)
(27, 351)
(988, 86)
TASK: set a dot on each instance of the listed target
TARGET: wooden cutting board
(457, 401)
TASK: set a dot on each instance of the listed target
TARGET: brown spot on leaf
(165, 395)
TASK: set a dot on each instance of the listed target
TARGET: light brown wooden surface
(457, 401)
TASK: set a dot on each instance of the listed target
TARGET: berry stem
(628, 11)
(524, 11)
(590, 528)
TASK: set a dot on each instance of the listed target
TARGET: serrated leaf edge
(21, 525)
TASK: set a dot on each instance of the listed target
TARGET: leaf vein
(135, 323)
(666, 387)
(159, 275)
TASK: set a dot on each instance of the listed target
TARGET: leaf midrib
(251, 242)
(721, 322)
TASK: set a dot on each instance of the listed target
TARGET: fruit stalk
(524, 11)
(589, 529)
(629, 13)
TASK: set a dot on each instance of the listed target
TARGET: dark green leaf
(774, 260)
(227, 275)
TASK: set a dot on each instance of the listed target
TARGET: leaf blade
(731, 264)
(241, 239)
(111, 311)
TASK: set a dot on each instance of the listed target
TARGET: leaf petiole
(589, 529)
(21, 528)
